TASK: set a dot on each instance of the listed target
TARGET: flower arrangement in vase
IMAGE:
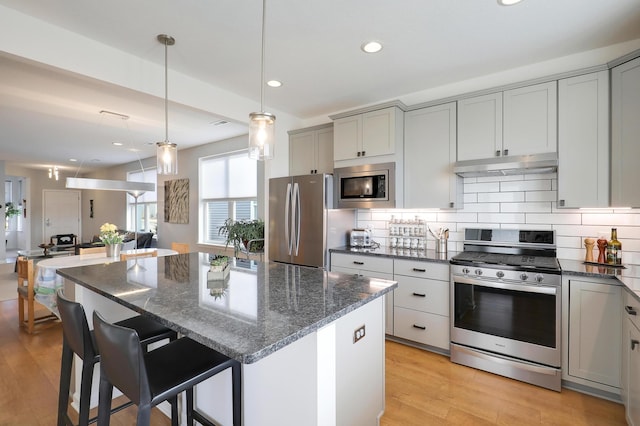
(109, 234)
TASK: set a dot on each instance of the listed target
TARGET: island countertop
(261, 308)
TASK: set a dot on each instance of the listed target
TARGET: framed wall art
(176, 201)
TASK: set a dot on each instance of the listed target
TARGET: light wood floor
(422, 388)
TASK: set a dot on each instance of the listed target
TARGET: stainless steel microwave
(365, 187)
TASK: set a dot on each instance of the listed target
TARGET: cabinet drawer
(421, 327)
(368, 263)
(412, 268)
(422, 295)
(631, 305)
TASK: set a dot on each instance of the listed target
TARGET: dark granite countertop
(397, 253)
(264, 306)
(629, 276)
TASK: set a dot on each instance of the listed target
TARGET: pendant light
(261, 124)
(167, 152)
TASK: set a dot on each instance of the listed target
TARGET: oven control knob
(524, 276)
(478, 271)
(539, 278)
(499, 274)
(465, 271)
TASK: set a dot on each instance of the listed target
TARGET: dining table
(47, 280)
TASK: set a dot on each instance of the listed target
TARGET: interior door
(61, 213)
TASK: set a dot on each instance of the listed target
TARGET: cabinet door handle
(634, 343)
(561, 203)
(311, 171)
(505, 152)
(630, 310)
(498, 153)
(419, 294)
(421, 327)
(419, 270)
(359, 153)
(452, 204)
(363, 153)
(358, 263)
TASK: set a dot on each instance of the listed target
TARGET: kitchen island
(311, 342)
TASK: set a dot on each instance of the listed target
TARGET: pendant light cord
(264, 12)
(166, 91)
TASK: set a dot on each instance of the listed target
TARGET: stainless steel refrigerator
(302, 223)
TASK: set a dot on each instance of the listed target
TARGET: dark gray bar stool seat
(150, 378)
(78, 339)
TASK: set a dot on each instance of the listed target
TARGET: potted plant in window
(244, 233)
(10, 211)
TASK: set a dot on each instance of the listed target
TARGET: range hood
(508, 166)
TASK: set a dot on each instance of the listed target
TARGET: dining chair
(90, 250)
(27, 293)
(138, 254)
(181, 248)
(145, 378)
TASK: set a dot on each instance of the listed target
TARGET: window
(146, 217)
(228, 189)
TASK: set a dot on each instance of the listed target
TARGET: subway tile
(446, 216)
(499, 197)
(570, 253)
(533, 196)
(581, 231)
(553, 218)
(536, 227)
(543, 207)
(629, 219)
(500, 178)
(482, 207)
(482, 187)
(569, 242)
(501, 217)
(470, 198)
(531, 185)
(538, 176)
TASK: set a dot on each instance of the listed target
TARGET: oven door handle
(506, 286)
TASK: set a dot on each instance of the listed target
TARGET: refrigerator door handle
(287, 209)
(295, 222)
(296, 191)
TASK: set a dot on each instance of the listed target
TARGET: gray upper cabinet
(530, 120)
(625, 134)
(430, 151)
(583, 141)
(479, 127)
(368, 135)
(311, 150)
(520, 121)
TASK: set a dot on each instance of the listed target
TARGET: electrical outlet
(358, 334)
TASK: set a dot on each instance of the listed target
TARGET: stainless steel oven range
(506, 305)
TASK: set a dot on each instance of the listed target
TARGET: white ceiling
(312, 46)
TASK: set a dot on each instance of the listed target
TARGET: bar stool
(160, 375)
(78, 339)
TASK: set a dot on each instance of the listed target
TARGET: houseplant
(240, 232)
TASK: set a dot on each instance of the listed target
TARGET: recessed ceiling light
(274, 83)
(371, 47)
(508, 2)
(117, 144)
(73, 160)
(219, 123)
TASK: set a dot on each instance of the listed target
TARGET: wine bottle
(614, 249)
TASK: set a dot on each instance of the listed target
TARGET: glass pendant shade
(262, 132)
(167, 155)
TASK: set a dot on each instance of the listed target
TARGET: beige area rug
(8, 282)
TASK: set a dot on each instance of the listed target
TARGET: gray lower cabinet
(631, 359)
(592, 327)
(421, 302)
(368, 266)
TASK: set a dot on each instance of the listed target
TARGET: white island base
(323, 379)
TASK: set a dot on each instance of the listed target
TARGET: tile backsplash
(520, 202)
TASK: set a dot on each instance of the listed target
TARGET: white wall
(521, 202)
